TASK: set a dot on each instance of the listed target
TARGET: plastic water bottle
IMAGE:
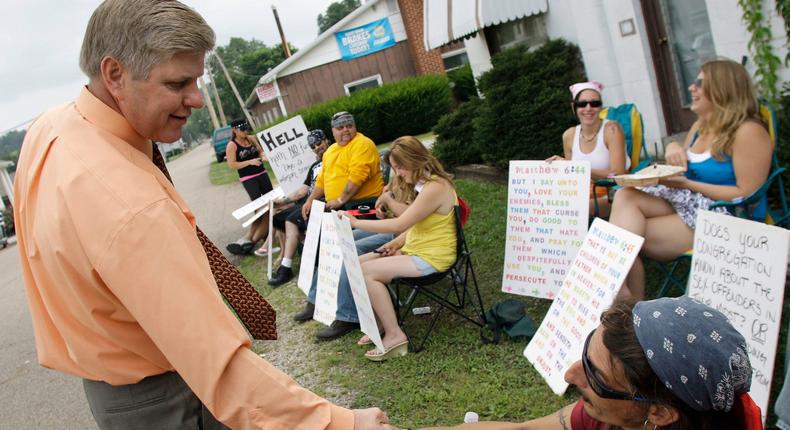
(471, 417)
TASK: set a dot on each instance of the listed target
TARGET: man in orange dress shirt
(118, 284)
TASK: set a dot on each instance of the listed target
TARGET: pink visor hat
(581, 86)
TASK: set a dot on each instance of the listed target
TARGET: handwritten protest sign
(330, 262)
(589, 288)
(285, 145)
(260, 202)
(367, 319)
(307, 265)
(739, 268)
(547, 213)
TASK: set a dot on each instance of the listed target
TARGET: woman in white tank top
(601, 142)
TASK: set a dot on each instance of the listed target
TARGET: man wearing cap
(351, 169)
(290, 219)
(120, 288)
(670, 363)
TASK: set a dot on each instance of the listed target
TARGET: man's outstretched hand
(371, 419)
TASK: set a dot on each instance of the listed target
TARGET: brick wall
(425, 62)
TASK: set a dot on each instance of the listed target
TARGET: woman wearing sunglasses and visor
(670, 364)
(599, 141)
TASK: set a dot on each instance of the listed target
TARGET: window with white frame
(361, 84)
(454, 59)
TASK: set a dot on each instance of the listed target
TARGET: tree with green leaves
(335, 12)
(246, 61)
(198, 126)
(10, 143)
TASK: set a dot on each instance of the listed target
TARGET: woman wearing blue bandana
(669, 364)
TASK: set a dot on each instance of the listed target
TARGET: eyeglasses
(598, 386)
(697, 83)
(584, 103)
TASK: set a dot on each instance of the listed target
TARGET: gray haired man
(119, 286)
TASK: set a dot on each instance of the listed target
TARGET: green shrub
(455, 145)
(408, 107)
(526, 102)
(462, 83)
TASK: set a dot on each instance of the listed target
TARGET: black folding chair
(452, 294)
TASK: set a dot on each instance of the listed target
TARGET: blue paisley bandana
(694, 351)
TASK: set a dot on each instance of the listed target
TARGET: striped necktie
(253, 310)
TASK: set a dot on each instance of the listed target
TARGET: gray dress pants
(157, 402)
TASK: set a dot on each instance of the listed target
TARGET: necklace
(590, 139)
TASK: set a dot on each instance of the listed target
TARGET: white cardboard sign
(739, 268)
(310, 248)
(285, 145)
(367, 319)
(330, 262)
(260, 202)
(589, 288)
(546, 222)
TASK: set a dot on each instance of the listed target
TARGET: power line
(18, 125)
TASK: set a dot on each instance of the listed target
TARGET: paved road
(32, 397)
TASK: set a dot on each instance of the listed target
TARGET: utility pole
(222, 118)
(286, 49)
(235, 92)
(209, 103)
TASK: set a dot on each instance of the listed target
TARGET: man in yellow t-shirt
(351, 167)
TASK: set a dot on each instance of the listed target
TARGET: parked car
(220, 141)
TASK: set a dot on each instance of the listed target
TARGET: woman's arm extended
(560, 420)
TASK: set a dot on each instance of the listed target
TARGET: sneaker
(264, 251)
(240, 247)
(283, 275)
(336, 330)
(306, 314)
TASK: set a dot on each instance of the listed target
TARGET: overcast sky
(40, 43)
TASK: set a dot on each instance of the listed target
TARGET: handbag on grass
(507, 317)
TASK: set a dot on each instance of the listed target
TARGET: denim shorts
(423, 266)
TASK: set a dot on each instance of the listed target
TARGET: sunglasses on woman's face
(598, 386)
(697, 83)
(584, 103)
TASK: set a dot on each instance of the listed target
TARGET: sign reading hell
(547, 212)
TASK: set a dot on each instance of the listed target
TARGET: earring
(644, 426)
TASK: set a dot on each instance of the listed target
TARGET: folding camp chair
(451, 294)
(676, 272)
(629, 118)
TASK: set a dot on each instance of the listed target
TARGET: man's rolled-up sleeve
(157, 268)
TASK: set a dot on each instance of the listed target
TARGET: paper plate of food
(648, 176)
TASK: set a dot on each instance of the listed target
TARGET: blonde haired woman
(727, 154)
(427, 240)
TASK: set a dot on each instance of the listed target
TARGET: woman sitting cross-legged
(428, 244)
(727, 155)
(599, 141)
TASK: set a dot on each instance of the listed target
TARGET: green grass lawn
(455, 372)
(221, 174)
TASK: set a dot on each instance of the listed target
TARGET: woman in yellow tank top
(426, 242)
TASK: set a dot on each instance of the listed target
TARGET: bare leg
(378, 272)
(259, 228)
(631, 210)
